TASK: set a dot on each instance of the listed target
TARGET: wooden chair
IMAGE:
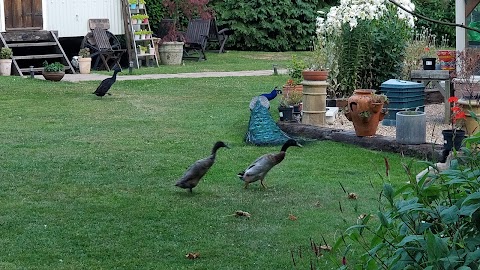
(218, 36)
(106, 53)
(196, 39)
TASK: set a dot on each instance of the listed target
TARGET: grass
(230, 61)
(88, 183)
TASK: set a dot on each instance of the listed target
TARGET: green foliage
(5, 53)
(432, 222)
(443, 10)
(369, 54)
(156, 12)
(269, 25)
(84, 52)
(53, 67)
(295, 69)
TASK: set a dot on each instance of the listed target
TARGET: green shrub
(6, 53)
(53, 67)
(430, 224)
(269, 25)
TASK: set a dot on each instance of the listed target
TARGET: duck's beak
(299, 145)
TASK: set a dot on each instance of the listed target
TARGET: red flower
(457, 112)
(452, 99)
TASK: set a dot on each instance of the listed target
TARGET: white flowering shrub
(370, 38)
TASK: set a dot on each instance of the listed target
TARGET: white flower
(351, 11)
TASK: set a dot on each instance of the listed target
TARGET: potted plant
(84, 61)
(319, 61)
(453, 137)
(6, 61)
(365, 110)
(290, 106)
(294, 71)
(53, 71)
(429, 58)
(171, 45)
(138, 34)
(133, 4)
(141, 4)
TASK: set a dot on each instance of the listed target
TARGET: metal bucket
(411, 127)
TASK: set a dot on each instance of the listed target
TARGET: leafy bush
(53, 67)
(430, 224)
(6, 53)
(269, 25)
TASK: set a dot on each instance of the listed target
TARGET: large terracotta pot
(364, 113)
(315, 75)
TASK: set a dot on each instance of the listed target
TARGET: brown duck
(262, 165)
(198, 169)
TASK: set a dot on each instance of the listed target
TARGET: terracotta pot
(315, 75)
(364, 114)
(286, 89)
(53, 76)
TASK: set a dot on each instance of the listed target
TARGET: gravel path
(435, 125)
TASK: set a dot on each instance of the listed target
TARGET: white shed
(68, 17)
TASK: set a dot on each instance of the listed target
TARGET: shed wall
(70, 17)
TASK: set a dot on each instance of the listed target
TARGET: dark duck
(105, 85)
(272, 94)
(198, 169)
(262, 165)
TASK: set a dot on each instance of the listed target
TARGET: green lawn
(229, 61)
(88, 182)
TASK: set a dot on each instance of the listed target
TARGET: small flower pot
(286, 113)
(429, 63)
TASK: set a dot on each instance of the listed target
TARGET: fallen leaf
(240, 213)
(292, 217)
(352, 196)
(192, 255)
(325, 247)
